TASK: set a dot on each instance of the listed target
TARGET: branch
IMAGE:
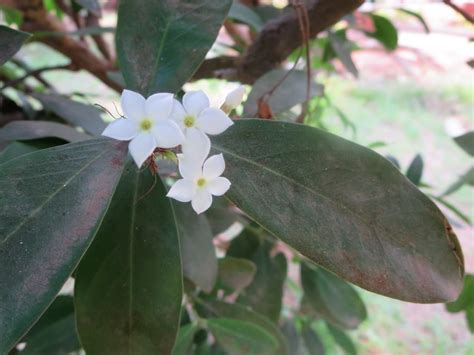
(460, 10)
(281, 36)
(36, 73)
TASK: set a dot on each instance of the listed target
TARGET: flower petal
(121, 129)
(167, 134)
(197, 145)
(182, 190)
(133, 105)
(213, 121)
(235, 98)
(218, 186)
(213, 167)
(201, 201)
(141, 148)
(178, 114)
(158, 106)
(195, 102)
(189, 168)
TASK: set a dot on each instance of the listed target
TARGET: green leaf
(466, 142)
(28, 130)
(452, 208)
(415, 170)
(344, 207)
(55, 332)
(61, 195)
(197, 250)
(90, 5)
(342, 48)
(221, 216)
(280, 100)
(418, 17)
(466, 298)
(385, 32)
(240, 337)
(332, 298)
(10, 42)
(12, 15)
(160, 44)
(221, 309)
(344, 341)
(184, 340)
(235, 273)
(291, 334)
(245, 14)
(312, 342)
(16, 149)
(75, 113)
(466, 179)
(128, 287)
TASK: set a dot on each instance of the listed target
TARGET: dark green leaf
(292, 336)
(76, 113)
(470, 318)
(385, 31)
(245, 14)
(332, 298)
(240, 337)
(452, 208)
(10, 42)
(28, 130)
(84, 31)
(51, 205)
(343, 206)
(220, 309)
(415, 170)
(16, 149)
(466, 298)
(394, 161)
(467, 178)
(91, 5)
(418, 17)
(184, 340)
(343, 50)
(466, 142)
(235, 273)
(280, 100)
(12, 15)
(55, 332)
(161, 44)
(344, 341)
(129, 284)
(197, 250)
(312, 342)
(221, 216)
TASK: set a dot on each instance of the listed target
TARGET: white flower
(147, 124)
(195, 114)
(233, 99)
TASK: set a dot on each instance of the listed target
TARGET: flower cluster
(162, 122)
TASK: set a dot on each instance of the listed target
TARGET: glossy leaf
(197, 249)
(221, 216)
(219, 309)
(415, 170)
(344, 341)
(240, 337)
(235, 273)
(312, 342)
(332, 298)
(466, 298)
(55, 332)
(16, 149)
(60, 194)
(385, 32)
(10, 42)
(129, 284)
(344, 207)
(417, 16)
(161, 44)
(280, 100)
(73, 112)
(28, 130)
(466, 142)
(184, 340)
(245, 14)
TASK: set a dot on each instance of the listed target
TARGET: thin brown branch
(460, 10)
(36, 74)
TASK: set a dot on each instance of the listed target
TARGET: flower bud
(233, 99)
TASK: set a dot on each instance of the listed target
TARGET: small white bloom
(233, 99)
(147, 124)
(195, 114)
(200, 182)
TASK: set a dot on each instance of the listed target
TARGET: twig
(36, 73)
(459, 10)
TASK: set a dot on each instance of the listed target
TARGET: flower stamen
(201, 182)
(145, 124)
(189, 121)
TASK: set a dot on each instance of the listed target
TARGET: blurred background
(406, 95)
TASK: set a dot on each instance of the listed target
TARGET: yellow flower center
(201, 182)
(145, 124)
(189, 121)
